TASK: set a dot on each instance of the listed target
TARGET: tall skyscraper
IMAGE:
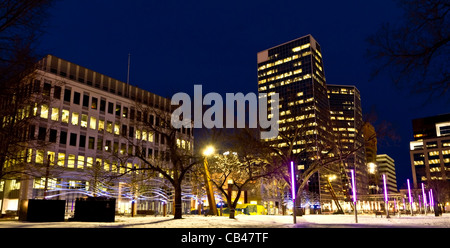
(347, 124)
(295, 71)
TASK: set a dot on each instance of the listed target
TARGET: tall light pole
(386, 200)
(293, 191)
(410, 197)
(424, 199)
(354, 194)
(209, 189)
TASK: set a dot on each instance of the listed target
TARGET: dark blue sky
(176, 44)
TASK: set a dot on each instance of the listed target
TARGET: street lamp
(410, 198)
(293, 191)
(354, 194)
(209, 189)
(424, 199)
(386, 200)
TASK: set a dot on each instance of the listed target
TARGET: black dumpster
(38, 210)
(95, 209)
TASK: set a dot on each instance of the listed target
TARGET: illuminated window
(71, 161)
(44, 111)
(116, 129)
(106, 165)
(75, 118)
(138, 134)
(65, 116)
(101, 125)
(39, 157)
(434, 153)
(89, 161)
(84, 119)
(109, 127)
(80, 164)
(144, 135)
(61, 159)
(55, 114)
(52, 156)
(150, 136)
(93, 123)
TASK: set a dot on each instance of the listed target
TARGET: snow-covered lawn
(245, 221)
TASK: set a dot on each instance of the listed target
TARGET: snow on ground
(246, 221)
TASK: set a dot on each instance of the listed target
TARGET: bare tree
(176, 157)
(240, 167)
(416, 52)
(21, 24)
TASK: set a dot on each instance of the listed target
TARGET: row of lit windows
(342, 118)
(76, 161)
(292, 119)
(84, 121)
(286, 82)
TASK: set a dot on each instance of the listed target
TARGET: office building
(430, 150)
(87, 125)
(347, 124)
(386, 166)
(295, 71)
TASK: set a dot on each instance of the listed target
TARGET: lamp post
(209, 189)
(354, 195)
(409, 195)
(293, 191)
(424, 199)
(386, 200)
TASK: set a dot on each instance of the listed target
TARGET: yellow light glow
(208, 151)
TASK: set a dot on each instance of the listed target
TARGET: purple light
(385, 188)
(432, 197)
(353, 186)
(429, 197)
(292, 180)
(409, 192)
(424, 196)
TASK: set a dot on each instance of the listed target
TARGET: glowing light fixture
(409, 192)
(208, 151)
(385, 188)
(424, 197)
(292, 180)
(409, 195)
(353, 186)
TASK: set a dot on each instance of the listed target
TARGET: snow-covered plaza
(250, 221)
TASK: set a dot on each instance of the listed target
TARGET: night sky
(176, 44)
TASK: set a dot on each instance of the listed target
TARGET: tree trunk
(178, 214)
(232, 212)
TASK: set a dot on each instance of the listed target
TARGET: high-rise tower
(295, 71)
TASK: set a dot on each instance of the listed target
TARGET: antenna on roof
(128, 73)
(128, 78)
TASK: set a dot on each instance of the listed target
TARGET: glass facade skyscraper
(295, 71)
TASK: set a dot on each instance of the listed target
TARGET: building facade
(347, 123)
(90, 128)
(430, 150)
(386, 166)
(295, 71)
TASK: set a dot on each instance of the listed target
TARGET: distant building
(347, 124)
(430, 150)
(386, 166)
(370, 140)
